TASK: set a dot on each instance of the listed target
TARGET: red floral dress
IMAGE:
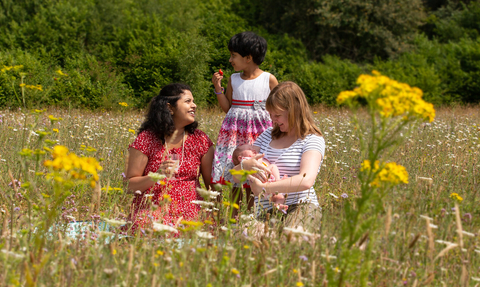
(181, 188)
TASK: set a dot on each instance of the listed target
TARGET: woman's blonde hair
(288, 96)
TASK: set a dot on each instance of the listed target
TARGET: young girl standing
(244, 103)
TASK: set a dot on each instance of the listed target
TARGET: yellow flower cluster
(386, 172)
(456, 197)
(59, 72)
(54, 119)
(76, 167)
(32, 87)
(389, 97)
(8, 68)
(123, 104)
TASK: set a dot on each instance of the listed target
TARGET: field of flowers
(427, 233)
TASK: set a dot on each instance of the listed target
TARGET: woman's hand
(256, 185)
(167, 168)
(255, 163)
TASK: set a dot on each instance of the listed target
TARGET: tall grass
(413, 246)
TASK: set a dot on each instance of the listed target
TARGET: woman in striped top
(296, 145)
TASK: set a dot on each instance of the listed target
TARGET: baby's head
(242, 151)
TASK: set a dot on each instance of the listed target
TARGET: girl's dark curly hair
(158, 119)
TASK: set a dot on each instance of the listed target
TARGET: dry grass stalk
(96, 196)
(388, 221)
(445, 250)
(459, 225)
(431, 244)
(464, 276)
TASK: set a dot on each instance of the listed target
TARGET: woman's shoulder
(147, 135)
(200, 135)
(267, 132)
(314, 137)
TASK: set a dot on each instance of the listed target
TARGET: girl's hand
(167, 168)
(217, 82)
(256, 185)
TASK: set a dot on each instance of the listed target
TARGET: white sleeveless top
(257, 89)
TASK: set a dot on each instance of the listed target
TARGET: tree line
(96, 53)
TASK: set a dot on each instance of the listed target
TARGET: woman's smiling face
(280, 119)
(184, 112)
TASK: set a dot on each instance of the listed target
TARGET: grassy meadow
(418, 242)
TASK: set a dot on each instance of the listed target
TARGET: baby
(246, 151)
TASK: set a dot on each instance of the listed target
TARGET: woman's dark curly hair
(158, 119)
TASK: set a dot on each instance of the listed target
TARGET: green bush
(121, 50)
(322, 82)
(454, 21)
(353, 29)
(87, 83)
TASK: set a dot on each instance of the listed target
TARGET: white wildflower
(208, 193)
(223, 228)
(114, 222)
(13, 254)
(204, 235)
(333, 195)
(444, 242)
(202, 203)
(427, 179)
(467, 233)
(329, 256)
(426, 217)
(248, 217)
(299, 230)
(162, 227)
(156, 176)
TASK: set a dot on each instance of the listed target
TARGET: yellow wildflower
(456, 197)
(386, 172)
(299, 284)
(235, 271)
(55, 130)
(389, 97)
(123, 104)
(191, 223)
(59, 72)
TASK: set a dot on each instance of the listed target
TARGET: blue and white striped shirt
(288, 163)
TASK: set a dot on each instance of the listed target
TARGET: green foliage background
(122, 50)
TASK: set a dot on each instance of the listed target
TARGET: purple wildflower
(344, 195)
(303, 257)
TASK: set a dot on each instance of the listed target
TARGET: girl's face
(184, 112)
(238, 62)
(280, 119)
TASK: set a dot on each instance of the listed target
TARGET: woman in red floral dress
(169, 128)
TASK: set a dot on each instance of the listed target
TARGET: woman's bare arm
(137, 161)
(206, 167)
(309, 165)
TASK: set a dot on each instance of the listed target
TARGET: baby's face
(248, 151)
